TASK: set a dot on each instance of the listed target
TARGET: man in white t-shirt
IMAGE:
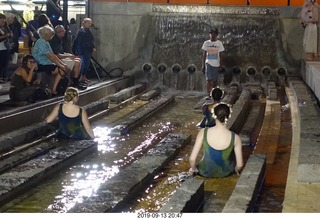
(212, 57)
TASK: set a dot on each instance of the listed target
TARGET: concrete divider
(189, 197)
(309, 150)
(125, 126)
(127, 93)
(248, 186)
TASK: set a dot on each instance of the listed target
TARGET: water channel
(61, 192)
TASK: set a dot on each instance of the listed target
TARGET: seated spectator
(23, 86)
(73, 120)
(222, 149)
(69, 59)
(216, 95)
(46, 59)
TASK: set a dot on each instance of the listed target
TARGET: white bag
(15, 58)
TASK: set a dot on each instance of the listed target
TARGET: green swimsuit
(217, 163)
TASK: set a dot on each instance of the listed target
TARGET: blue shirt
(40, 51)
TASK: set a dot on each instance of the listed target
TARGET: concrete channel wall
(309, 150)
(131, 34)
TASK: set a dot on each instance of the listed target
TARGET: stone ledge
(309, 150)
(189, 197)
(247, 188)
(125, 126)
(150, 94)
(22, 177)
(127, 93)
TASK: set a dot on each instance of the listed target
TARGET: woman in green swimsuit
(222, 149)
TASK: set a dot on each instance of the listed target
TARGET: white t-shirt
(213, 49)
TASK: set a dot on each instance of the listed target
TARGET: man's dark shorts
(47, 68)
(212, 73)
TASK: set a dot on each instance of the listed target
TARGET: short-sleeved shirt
(213, 49)
(40, 50)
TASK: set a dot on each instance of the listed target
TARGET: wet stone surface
(23, 176)
(309, 152)
(119, 189)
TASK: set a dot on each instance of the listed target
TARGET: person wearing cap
(211, 59)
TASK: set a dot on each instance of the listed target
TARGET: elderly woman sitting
(46, 59)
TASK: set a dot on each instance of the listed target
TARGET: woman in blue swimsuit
(222, 149)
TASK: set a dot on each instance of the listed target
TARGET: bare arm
(53, 115)
(25, 75)
(238, 153)
(55, 59)
(86, 123)
(195, 151)
(204, 57)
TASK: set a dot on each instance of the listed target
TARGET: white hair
(45, 30)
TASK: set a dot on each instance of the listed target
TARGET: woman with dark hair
(73, 120)
(22, 85)
(43, 20)
(216, 95)
(222, 149)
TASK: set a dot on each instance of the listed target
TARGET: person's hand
(191, 170)
(34, 66)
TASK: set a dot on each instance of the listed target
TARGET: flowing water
(63, 191)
